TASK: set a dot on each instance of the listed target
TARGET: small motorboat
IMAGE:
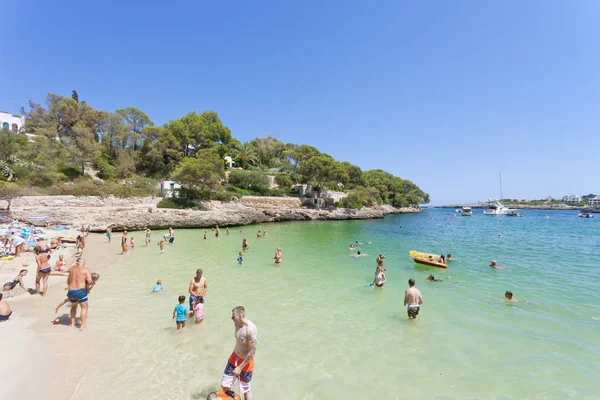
(430, 261)
(586, 214)
(467, 212)
(513, 214)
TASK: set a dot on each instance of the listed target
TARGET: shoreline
(139, 213)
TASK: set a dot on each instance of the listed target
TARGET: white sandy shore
(40, 359)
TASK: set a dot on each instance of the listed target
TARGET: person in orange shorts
(241, 362)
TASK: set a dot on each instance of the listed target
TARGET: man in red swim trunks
(241, 362)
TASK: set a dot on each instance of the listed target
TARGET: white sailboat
(494, 207)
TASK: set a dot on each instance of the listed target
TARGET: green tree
(321, 170)
(246, 154)
(75, 96)
(134, 121)
(199, 131)
(269, 150)
(159, 152)
(9, 191)
(205, 170)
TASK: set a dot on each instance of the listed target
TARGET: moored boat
(467, 212)
(586, 214)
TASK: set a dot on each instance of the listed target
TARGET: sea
(323, 333)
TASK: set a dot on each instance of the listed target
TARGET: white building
(15, 123)
(572, 198)
(595, 200)
(169, 189)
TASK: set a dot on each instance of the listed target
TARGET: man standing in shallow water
(80, 283)
(412, 299)
(241, 362)
(198, 288)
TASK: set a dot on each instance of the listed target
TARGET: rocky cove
(136, 213)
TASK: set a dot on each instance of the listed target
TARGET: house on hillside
(594, 201)
(572, 198)
(169, 189)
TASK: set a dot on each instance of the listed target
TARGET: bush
(140, 187)
(178, 203)
(70, 172)
(105, 169)
(255, 181)
(46, 179)
(284, 181)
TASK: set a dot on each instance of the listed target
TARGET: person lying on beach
(158, 287)
(17, 281)
(55, 243)
(5, 311)
(493, 265)
(95, 277)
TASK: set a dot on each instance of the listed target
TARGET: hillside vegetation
(132, 155)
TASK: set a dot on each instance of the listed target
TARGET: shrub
(139, 187)
(70, 172)
(256, 181)
(105, 169)
(46, 179)
(284, 181)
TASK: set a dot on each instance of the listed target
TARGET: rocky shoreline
(139, 213)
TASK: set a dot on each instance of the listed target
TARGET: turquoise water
(323, 334)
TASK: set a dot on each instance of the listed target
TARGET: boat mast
(500, 176)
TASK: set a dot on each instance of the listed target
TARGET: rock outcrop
(138, 213)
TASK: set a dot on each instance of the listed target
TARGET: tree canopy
(125, 146)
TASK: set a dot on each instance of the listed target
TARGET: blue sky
(445, 93)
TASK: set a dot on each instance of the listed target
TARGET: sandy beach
(32, 346)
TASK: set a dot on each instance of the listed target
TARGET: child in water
(161, 244)
(131, 243)
(181, 312)
(240, 259)
(199, 309)
(158, 286)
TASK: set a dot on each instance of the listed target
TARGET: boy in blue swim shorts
(181, 312)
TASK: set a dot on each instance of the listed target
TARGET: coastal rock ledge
(136, 213)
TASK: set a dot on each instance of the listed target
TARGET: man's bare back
(80, 277)
(412, 296)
